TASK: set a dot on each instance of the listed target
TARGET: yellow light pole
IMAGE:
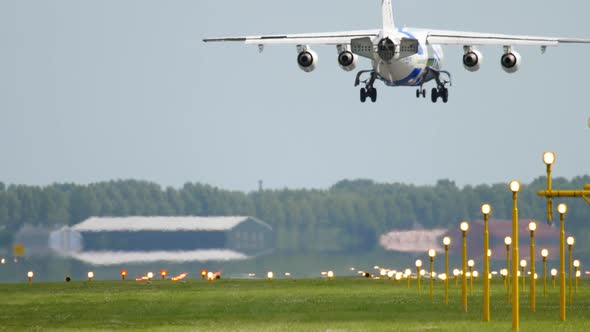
(508, 242)
(549, 193)
(553, 275)
(523, 268)
(447, 243)
(471, 264)
(533, 300)
(456, 274)
(408, 275)
(515, 187)
(464, 228)
(486, 209)
(418, 266)
(431, 254)
(544, 254)
(90, 276)
(30, 276)
(577, 267)
(570, 246)
(503, 273)
(562, 209)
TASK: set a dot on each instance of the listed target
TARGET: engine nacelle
(307, 60)
(472, 60)
(511, 61)
(347, 60)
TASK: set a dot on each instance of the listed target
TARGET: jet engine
(307, 60)
(347, 60)
(510, 61)
(472, 60)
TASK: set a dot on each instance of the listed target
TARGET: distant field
(344, 304)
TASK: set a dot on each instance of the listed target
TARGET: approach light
(432, 253)
(548, 158)
(150, 275)
(270, 275)
(3, 261)
(330, 275)
(123, 274)
(562, 208)
(576, 263)
(471, 263)
(456, 272)
(544, 253)
(523, 263)
(514, 186)
(90, 276)
(203, 274)
(508, 240)
(464, 226)
(553, 272)
(418, 263)
(486, 209)
(532, 226)
(570, 241)
(446, 240)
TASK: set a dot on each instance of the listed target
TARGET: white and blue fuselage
(411, 70)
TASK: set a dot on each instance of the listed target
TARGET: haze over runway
(101, 90)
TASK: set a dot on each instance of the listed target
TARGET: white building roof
(122, 257)
(170, 224)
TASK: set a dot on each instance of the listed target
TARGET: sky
(102, 90)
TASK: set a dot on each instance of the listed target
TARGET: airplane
(402, 56)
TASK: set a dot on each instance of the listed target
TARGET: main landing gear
(441, 90)
(369, 90)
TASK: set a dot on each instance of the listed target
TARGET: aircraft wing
(322, 38)
(442, 37)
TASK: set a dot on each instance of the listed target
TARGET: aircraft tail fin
(387, 12)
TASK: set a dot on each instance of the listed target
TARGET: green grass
(344, 304)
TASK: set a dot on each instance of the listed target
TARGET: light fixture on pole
(90, 276)
(570, 246)
(553, 275)
(514, 188)
(486, 209)
(523, 268)
(431, 254)
(418, 267)
(408, 275)
(30, 276)
(549, 193)
(576, 267)
(533, 300)
(508, 242)
(447, 243)
(456, 274)
(562, 209)
(471, 264)
(464, 228)
(544, 254)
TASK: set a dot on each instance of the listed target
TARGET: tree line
(350, 214)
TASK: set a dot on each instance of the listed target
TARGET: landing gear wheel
(363, 95)
(418, 93)
(434, 95)
(372, 92)
(423, 93)
(445, 95)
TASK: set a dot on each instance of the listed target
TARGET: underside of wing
(326, 38)
(442, 37)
